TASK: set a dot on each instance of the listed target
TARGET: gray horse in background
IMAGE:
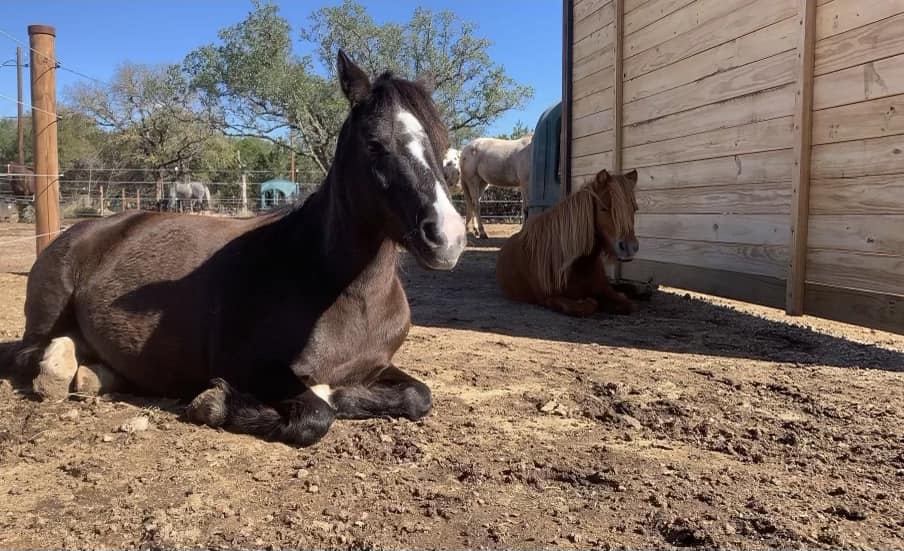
(190, 193)
(493, 162)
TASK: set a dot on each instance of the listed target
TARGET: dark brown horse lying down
(275, 326)
(556, 260)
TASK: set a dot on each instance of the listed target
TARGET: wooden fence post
(244, 194)
(123, 206)
(44, 120)
(138, 198)
(800, 175)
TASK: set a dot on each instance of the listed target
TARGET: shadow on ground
(468, 298)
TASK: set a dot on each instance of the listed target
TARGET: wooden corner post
(800, 176)
(44, 119)
(618, 107)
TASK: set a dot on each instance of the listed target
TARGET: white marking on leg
(451, 224)
(325, 393)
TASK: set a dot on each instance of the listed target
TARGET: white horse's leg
(480, 186)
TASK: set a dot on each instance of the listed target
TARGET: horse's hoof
(208, 408)
(56, 370)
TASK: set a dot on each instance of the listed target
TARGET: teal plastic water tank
(545, 181)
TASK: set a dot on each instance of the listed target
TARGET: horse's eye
(376, 148)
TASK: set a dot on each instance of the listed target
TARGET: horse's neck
(340, 240)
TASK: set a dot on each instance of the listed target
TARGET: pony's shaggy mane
(555, 239)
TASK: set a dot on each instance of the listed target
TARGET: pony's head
(392, 144)
(614, 209)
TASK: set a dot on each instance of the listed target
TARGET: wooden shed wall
(708, 98)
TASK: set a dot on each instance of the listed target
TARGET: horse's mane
(558, 237)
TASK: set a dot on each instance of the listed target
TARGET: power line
(33, 108)
(59, 64)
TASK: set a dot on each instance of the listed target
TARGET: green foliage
(261, 88)
(519, 130)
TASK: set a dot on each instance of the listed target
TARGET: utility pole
(20, 127)
(44, 120)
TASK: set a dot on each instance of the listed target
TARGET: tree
(261, 88)
(152, 117)
(518, 131)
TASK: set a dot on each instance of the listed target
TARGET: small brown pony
(556, 260)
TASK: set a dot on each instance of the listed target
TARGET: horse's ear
(427, 82)
(631, 177)
(602, 176)
(353, 80)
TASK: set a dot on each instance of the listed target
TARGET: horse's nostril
(431, 234)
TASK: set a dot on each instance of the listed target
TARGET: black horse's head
(393, 141)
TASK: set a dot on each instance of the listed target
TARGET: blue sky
(93, 36)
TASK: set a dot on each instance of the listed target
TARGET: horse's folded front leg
(581, 307)
(301, 420)
(393, 394)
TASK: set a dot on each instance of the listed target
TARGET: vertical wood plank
(619, 107)
(802, 141)
(567, 92)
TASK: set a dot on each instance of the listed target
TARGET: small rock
(301, 473)
(362, 476)
(632, 421)
(385, 438)
(313, 488)
(70, 415)
(135, 424)
(321, 525)
(107, 438)
(548, 406)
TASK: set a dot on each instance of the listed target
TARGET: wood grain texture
(595, 72)
(858, 232)
(761, 75)
(771, 198)
(840, 16)
(768, 291)
(862, 195)
(879, 273)
(594, 21)
(802, 146)
(766, 260)
(861, 45)
(881, 311)
(752, 108)
(585, 8)
(651, 12)
(594, 143)
(744, 18)
(761, 44)
(680, 22)
(593, 103)
(870, 157)
(757, 229)
(750, 138)
(868, 119)
(756, 168)
(592, 43)
(591, 124)
(589, 165)
(631, 5)
(868, 81)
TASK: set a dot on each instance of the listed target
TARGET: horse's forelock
(621, 204)
(414, 98)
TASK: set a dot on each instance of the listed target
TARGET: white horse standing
(493, 162)
(452, 169)
(190, 192)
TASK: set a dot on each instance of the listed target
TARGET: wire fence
(83, 197)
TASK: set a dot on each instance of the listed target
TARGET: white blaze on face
(416, 136)
(451, 225)
(450, 222)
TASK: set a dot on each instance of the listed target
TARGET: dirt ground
(696, 422)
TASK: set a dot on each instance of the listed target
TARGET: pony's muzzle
(445, 239)
(626, 249)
